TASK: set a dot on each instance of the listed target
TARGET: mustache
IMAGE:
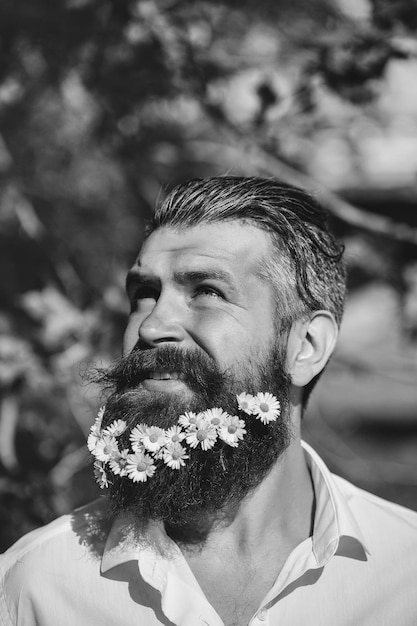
(197, 369)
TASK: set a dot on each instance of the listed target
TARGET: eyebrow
(194, 276)
(137, 276)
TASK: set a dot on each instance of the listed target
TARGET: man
(216, 511)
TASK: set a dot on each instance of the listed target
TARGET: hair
(305, 266)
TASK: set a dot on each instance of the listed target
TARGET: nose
(164, 324)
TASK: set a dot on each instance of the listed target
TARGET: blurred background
(106, 104)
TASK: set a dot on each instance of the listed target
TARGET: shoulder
(77, 527)
(40, 555)
(380, 521)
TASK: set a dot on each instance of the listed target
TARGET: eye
(207, 291)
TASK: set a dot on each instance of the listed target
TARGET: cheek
(232, 342)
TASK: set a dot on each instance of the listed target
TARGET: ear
(310, 345)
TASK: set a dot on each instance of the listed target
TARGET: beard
(213, 483)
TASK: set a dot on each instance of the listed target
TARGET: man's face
(200, 289)
(201, 331)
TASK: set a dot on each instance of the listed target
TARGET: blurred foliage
(102, 103)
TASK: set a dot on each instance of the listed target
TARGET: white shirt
(358, 569)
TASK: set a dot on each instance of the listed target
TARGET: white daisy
(95, 431)
(174, 455)
(139, 467)
(137, 435)
(119, 462)
(266, 408)
(105, 448)
(100, 416)
(246, 402)
(116, 428)
(92, 440)
(232, 430)
(100, 475)
(153, 438)
(187, 419)
(215, 416)
(202, 433)
(175, 434)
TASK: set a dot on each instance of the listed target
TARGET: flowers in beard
(152, 446)
(153, 438)
(202, 433)
(95, 431)
(232, 430)
(266, 407)
(175, 434)
(100, 474)
(116, 428)
(187, 419)
(175, 455)
(106, 447)
(245, 403)
(118, 463)
(215, 416)
(139, 466)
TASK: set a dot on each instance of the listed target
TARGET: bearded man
(216, 512)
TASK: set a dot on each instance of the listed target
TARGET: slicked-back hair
(304, 262)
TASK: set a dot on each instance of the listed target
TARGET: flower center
(201, 435)
(264, 407)
(232, 429)
(176, 455)
(141, 466)
(107, 449)
(215, 421)
(153, 438)
(175, 438)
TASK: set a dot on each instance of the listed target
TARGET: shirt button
(262, 615)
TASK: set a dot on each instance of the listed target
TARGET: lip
(163, 381)
(164, 375)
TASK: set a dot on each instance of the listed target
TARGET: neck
(278, 512)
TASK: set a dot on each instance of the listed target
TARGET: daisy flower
(154, 438)
(215, 416)
(175, 455)
(139, 467)
(105, 448)
(137, 435)
(202, 433)
(92, 440)
(116, 428)
(246, 402)
(175, 434)
(187, 419)
(232, 430)
(100, 475)
(95, 431)
(118, 463)
(100, 416)
(266, 407)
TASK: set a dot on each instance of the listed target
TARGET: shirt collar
(125, 543)
(333, 520)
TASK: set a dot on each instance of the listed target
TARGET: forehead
(236, 245)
